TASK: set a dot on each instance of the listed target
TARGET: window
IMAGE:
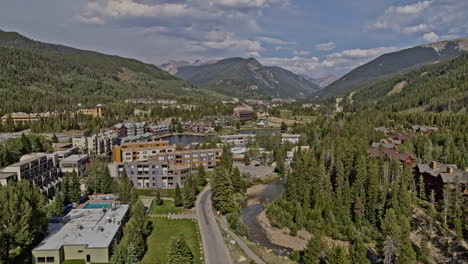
(41, 260)
(50, 259)
(88, 258)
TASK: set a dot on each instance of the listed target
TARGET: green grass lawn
(167, 207)
(152, 192)
(159, 242)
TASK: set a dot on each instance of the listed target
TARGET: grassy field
(159, 242)
(168, 207)
(152, 192)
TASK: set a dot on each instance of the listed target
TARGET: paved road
(241, 243)
(214, 248)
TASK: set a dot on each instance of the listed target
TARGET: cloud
(430, 37)
(336, 63)
(89, 20)
(275, 41)
(301, 52)
(423, 17)
(416, 29)
(327, 46)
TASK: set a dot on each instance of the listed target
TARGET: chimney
(449, 169)
(433, 165)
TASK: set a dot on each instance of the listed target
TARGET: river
(250, 215)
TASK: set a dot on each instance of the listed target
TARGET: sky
(312, 37)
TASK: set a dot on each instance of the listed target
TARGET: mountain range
(396, 62)
(245, 78)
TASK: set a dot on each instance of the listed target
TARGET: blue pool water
(96, 205)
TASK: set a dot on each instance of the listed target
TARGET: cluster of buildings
(151, 101)
(244, 139)
(140, 128)
(201, 127)
(434, 174)
(23, 118)
(45, 169)
(97, 144)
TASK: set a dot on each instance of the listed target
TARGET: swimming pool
(96, 205)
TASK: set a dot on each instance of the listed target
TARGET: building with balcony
(40, 169)
(97, 144)
(201, 127)
(77, 163)
(152, 174)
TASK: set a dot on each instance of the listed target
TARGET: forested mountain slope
(438, 87)
(396, 62)
(247, 78)
(36, 76)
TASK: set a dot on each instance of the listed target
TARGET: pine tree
(178, 199)
(74, 192)
(338, 255)
(188, 193)
(315, 250)
(117, 256)
(180, 252)
(424, 251)
(132, 257)
(236, 180)
(422, 188)
(54, 138)
(125, 187)
(222, 192)
(358, 253)
(58, 203)
(201, 175)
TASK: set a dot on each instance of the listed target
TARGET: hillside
(36, 76)
(247, 78)
(438, 87)
(396, 62)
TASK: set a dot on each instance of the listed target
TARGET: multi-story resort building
(131, 129)
(160, 130)
(84, 234)
(98, 111)
(77, 163)
(243, 139)
(152, 174)
(97, 144)
(197, 127)
(40, 169)
(244, 113)
(19, 118)
(163, 152)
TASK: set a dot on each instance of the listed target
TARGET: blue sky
(313, 37)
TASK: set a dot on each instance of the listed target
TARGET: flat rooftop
(75, 158)
(94, 228)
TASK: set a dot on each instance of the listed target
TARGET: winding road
(214, 248)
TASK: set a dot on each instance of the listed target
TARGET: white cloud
(326, 46)
(425, 16)
(336, 63)
(89, 20)
(430, 37)
(248, 3)
(275, 41)
(301, 52)
(416, 29)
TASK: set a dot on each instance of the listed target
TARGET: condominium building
(244, 113)
(152, 174)
(163, 152)
(77, 163)
(40, 169)
(98, 111)
(131, 129)
(291, 138)
(84, 234)
(20, 117)
(237, 139)
(97, 144)
(197, 126)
